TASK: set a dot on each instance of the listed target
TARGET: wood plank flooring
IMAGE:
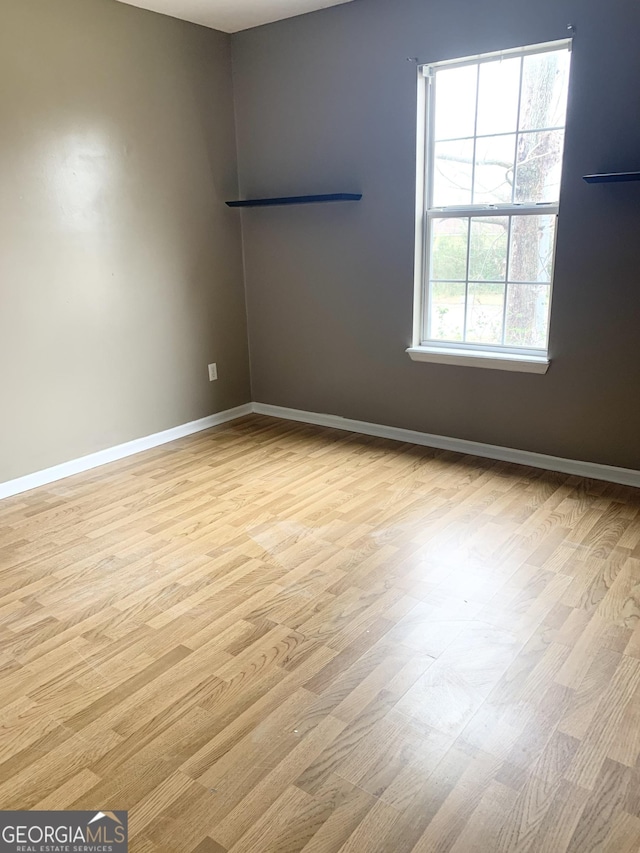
(271, 638)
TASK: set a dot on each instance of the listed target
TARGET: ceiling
(230, 16)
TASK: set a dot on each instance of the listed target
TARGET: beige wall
(327, 103)
(120, 266)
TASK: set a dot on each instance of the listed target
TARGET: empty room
(320, 426)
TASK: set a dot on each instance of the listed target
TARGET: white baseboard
(624, 476)
(111, 454)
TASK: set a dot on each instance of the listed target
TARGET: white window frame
(499, 357)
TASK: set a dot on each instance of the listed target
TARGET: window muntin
(493, 159)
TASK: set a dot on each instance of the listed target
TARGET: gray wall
(120, 267)
(326, 102)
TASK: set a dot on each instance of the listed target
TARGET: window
(491, 138)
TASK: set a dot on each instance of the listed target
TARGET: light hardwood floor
(273, 637)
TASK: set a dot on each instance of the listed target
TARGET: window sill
(480, 358)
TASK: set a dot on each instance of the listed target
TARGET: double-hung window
(490, 144)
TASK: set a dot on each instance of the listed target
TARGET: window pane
(493, 178)
(456, 102)
(498, 96)
(545, 83)
(488, 249)
(452, 173)
(485, 310)
(532, 244)
(446, 311)
(539, 166)
(527, 315)
(496, 139)
(449, 249)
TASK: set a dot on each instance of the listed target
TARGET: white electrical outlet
(213, 372)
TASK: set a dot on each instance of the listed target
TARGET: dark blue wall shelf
(612, 178)
(296, 199)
